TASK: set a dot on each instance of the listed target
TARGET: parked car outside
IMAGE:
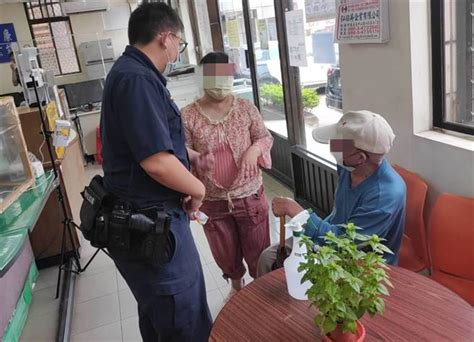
(334, 88)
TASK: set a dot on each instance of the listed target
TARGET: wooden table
(418, 309)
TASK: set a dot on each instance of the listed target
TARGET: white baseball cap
(369, 131)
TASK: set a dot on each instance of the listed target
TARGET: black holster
(140, 236)
(108, 222)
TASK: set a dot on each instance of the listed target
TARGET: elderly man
(369, 193)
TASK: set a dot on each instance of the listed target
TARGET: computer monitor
(83, 93)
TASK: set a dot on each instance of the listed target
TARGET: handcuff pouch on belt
(108, 222)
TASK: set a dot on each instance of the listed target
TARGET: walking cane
(282, 252)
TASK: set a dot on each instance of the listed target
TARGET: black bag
(97, 202)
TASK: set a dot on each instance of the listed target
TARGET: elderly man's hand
(284, 206)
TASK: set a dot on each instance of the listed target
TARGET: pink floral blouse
(241, 128)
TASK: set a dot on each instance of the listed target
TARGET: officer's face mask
(171, 65)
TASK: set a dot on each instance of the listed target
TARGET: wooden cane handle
(282, 231)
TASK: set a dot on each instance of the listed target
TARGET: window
(251, 30)
(268, 65)
(321, 87)
(452, 37)
(251, 42)
(235, 45)
(52, 35)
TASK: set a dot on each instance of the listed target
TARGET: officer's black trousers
(172, 304)
(179, 317)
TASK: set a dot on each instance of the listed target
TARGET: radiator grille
(315, 181)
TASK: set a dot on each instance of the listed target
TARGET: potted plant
(348, 277)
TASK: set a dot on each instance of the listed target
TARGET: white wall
(13, 13)
(89, 27)
(378, 77)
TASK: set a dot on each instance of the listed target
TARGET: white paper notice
(233, 33)
(296, 38)
(319, 10)
(263, 34)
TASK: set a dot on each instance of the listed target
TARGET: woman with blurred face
(230, 132)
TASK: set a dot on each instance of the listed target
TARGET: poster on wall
(233, 32)
(272, 29)
(296, 38)
(362, 21)
(263, 34)
(324, 51)
(7, 36)
(319, 10)
(204, 25)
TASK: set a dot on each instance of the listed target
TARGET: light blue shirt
(377, 205)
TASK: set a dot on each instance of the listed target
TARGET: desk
(418, 309)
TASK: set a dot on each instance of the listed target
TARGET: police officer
(146, 163)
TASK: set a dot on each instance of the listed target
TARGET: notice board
(296, 38)
(7, 36)
(362, 21)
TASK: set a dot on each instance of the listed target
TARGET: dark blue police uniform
(140, 119)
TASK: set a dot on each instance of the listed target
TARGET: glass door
(267, 64)
(235, 45)
(259, 76)
(320, 80)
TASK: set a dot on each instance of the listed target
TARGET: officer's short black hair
(10, 55)
(150, 19)
(215, 58)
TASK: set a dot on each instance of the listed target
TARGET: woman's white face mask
(218, 87)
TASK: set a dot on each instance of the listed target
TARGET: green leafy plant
(273, 94)
(310, 99)
(347, 280)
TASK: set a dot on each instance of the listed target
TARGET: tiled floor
(104, 308)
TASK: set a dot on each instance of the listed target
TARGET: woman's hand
(204, 163)
(249, 162)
